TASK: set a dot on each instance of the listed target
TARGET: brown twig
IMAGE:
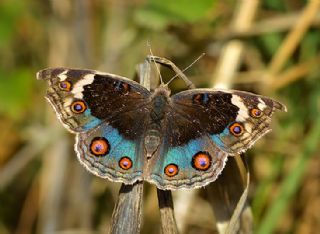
(126, 217)
(168, 222)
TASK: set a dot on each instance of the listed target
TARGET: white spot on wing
(62, 76)
(78, 87)
(262, 105)
(243, 110)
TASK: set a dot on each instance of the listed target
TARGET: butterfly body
(127, 133)
(159, 104)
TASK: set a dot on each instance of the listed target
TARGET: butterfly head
(162, 90)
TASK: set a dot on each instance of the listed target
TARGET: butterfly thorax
(159, 104)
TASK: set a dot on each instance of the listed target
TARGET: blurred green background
(275, 51)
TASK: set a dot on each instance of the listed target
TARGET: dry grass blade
(230, 58)
(242, 210)
(275, 24)
(292, 40)
(296, 72)
(228, 196)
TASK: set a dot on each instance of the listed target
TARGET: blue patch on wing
(91, 121)
(218, 138)
(107, 166)
(119, 146)
(182, 155)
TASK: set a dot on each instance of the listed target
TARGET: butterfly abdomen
(159, 105)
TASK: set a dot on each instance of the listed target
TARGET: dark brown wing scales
(107, 96)
(83, 99)
(234, 120)
(200, 113)
(123, 105)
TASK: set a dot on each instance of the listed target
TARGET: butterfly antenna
(168, 63)
(155, 62)
(186, 68)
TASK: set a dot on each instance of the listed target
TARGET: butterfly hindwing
(191, 165)
(108, 154)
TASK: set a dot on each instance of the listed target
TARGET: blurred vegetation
(37, 162)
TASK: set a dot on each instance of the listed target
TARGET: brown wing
(83, 99)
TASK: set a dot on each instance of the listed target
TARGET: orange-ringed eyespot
(125, 163)
(201, 161)
(236, 129)
(99, 146)
(78, 107)
(171, 170)
(255, 113)
(65, 85)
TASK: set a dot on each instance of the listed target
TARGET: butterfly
(126, 133)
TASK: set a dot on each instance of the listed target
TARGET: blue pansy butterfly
(127, 133)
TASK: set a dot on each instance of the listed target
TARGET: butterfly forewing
(84, 98)
(233, 120)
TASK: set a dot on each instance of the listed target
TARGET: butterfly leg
(168, 63)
